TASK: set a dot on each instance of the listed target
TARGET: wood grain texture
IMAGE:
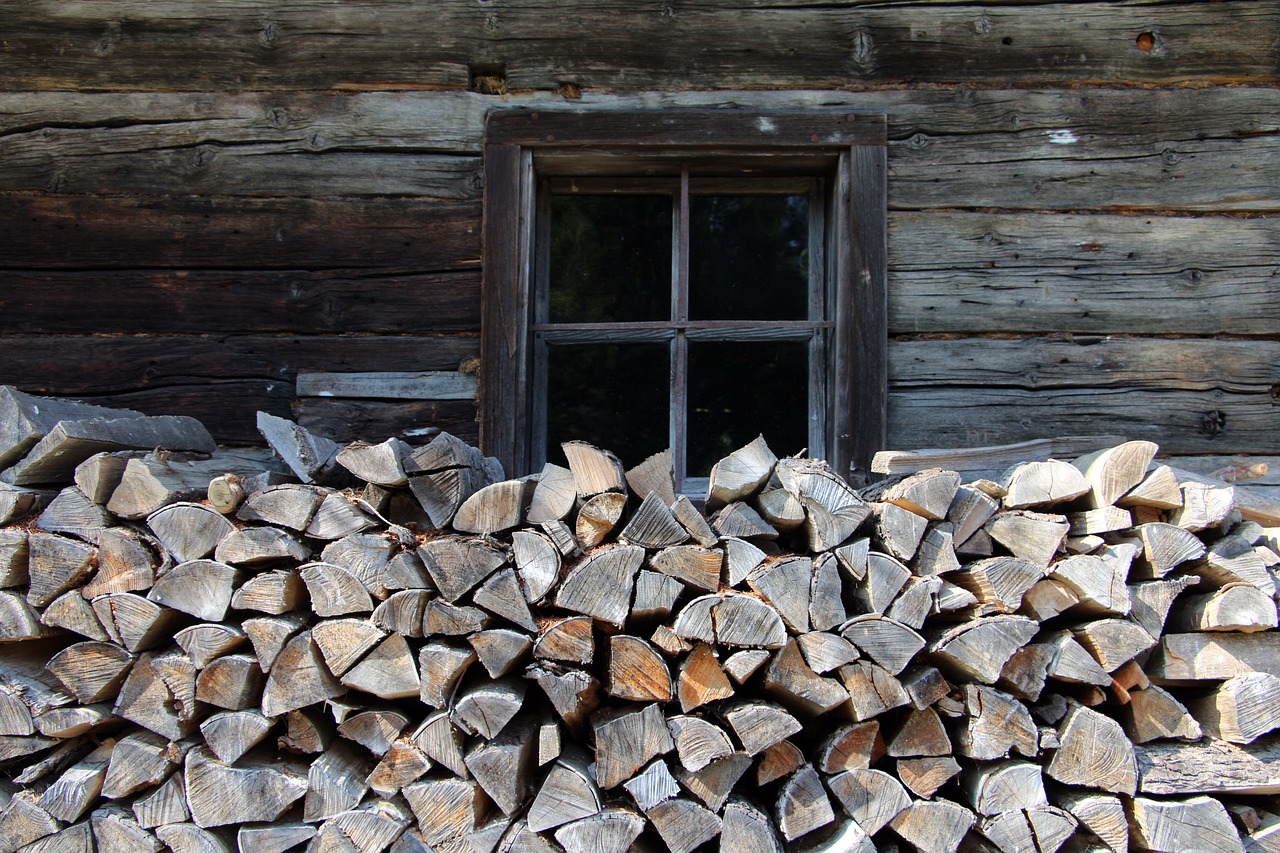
(246, 44)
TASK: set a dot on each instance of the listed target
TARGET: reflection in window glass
(738, 390)
(615, 396)
(610, 258)
(748, 257)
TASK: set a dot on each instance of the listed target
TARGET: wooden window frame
(523, 146)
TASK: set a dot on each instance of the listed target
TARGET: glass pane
(610, 258)
(616, 396)
(739, 390)
(749, 257)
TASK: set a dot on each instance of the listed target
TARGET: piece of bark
(231, 734)
(233, 682)
(933, 826)
(924, 776)
(503, 766)
(1213, 656)
(611, 830)
(1094, 753)
(637, 672)
(54, 457)
(1100, 814)
(1153, 713)
(701, 679)
(683, 825)
(1033, 536)
(201, 588)
(487, 708)
(298, 678)
(1193, 825)
(568, 793)
(626, 740)
(132, 620)
(290, 505)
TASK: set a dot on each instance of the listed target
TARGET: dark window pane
(742, 389)
(748, 257)
(610, 258)
(616, 396)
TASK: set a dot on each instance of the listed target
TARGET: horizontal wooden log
(208, 301)
(351, 420)
(1214, 767)
(1179, 421)
(389, 385)
(1039, 363)
(221, 232)
(1004, 272)
(247, 44)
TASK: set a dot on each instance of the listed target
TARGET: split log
(626, 741)
(403, 612)
(612, 830)
(289, 505)
(1100, 814)
(803, 805)
(298, 678)
(388, 671)
(278, 591)
(1113, 472)
(74, 792)
(256, 545)
(441, 667)
(568, 794)
(442, 742)
(995, 724)
(1154, 714)
(594, 470)
(233, 682)
(698, 567)
(25, 419)
(694, 522)
(486, 709)
(655, 596)
(979, 649)
(311, 457)
(653, 525)
(501, 595)
(500, 649)
(167, 804)
(71, 612)
(494, 508)
(336, 782)
(1234, 607)
(1094, 753)
(382, 463)
(402, 764)
(652, 785)
(56, 564)
(231, 734)
(1042, 484)
(1213, 656)
(683, 825)
(72, 513)
(1033, 536)
(1241, 709)
(745, 827)
(598, 518)
(1114, 642)
(503, 766)
(933, 826)
(128, 561)
(1203, 505)
(872, 689)
(54, 457)
(701, 679)
(1196, 825)
(553, 495)
(201, 588)
(637, 672)
(898, 531)
(1045, 828)
(600, 586)
(740, 474)
(1159, 490)
(537, 564)
(790, 680)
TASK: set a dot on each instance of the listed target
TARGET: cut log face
(1094, 753)
(1195, 825)
(626, 741)
(933, 826)
(600, 586)
(1242, 708)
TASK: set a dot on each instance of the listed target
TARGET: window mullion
(680, 345)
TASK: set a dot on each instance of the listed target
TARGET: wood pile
(393, 648)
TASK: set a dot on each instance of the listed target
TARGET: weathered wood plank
(349, 420)
(209, 301)
(389, 385)
(184, 232)
(1038, 364)
(1190, 422)
(248, 44)
(957, 271)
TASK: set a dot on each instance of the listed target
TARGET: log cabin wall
(204, 200)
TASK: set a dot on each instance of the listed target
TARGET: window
(683, 278)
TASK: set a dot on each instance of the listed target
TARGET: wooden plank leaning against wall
(1083, 232)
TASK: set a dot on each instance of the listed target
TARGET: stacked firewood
(386, 647)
